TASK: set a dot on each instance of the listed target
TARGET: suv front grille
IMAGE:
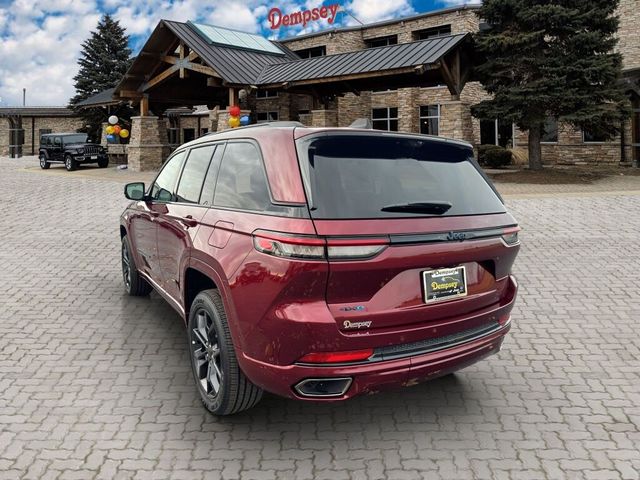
(432, 344)
(92, 149)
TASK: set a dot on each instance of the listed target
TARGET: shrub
(493, 156)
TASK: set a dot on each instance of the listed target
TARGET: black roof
(104, 97)
(403, 55)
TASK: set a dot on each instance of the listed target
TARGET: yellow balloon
(234, 122)
(124, 133)
(109, 130)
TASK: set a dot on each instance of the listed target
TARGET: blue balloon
(111, 137)
(244, 120)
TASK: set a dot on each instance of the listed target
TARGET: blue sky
(40, 40)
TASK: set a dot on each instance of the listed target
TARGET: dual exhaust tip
(323, 387)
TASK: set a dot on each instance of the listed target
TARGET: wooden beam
(185, 63)
(201, 69)
(181, 50)
(192, 56)
(144, 106)
(133, 94)
(233, 96)
(159, 78)
(449, 80)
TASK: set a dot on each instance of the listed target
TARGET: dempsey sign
(278, 19)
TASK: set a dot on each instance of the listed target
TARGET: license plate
(94, 157)
(444, 284)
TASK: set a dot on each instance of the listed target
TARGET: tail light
(337, 357)
(510, 235)
(318, 248)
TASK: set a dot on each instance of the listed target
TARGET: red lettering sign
(277, 18)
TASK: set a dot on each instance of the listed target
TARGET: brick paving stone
(98, 385)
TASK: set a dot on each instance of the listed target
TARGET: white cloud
(368, 11)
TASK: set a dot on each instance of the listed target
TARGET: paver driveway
(97, 385)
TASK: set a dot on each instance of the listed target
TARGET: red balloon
(234, 111)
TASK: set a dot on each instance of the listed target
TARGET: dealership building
(411, 74)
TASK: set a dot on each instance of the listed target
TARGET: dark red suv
(319, 264)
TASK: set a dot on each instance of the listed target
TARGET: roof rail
(263, 124)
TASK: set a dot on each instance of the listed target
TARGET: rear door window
(242, 182)
(193, 174)
(390, 176)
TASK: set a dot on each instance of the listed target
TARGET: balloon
(244, 120)
(113, 119)
(110, 138)
(124, 133)
(109, 130)
(234, 122)
(234, 111)
(116, 129)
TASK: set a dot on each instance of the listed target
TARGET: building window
(550, 131)
(385, 118)
(203, 131)
(188, 134)
(496, 132)
(320, 51)
(267, 117)
(434, 32)
(381, 41)
(266, 94)
(593, 137)
(430, 119)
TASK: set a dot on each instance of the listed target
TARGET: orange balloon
(116, 129)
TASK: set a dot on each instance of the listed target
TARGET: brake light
(318, 248)
(337, 357)
(510, 235)
(291, 246)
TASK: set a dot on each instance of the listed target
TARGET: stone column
(408, 115)
(148, 147)
(103, 134)
(456, 121)
(223, 119)
(213, 119)
(306, 119)
(324, 118)
(4, 137)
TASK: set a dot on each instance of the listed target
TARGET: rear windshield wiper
(436, 208)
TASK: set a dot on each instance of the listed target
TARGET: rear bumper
(371, 377)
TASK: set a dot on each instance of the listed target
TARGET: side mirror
(134, 191)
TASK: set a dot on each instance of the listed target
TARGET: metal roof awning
(389, 60)
(100, 99)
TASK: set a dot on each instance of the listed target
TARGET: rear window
(385, 176)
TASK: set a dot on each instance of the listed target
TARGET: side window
(57, 141)
(162, 189)
(206, 197)
(193, 174)
(242, 182)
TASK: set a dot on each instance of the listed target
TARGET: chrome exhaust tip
(323, 387)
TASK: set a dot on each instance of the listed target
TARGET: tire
(210, 346)
(69, 163)
(43, 162)
(103, 163)
(134, 284)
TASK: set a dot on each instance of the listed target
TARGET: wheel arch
(195, 281)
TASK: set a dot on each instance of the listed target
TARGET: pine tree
(551, 58)
(104, 59)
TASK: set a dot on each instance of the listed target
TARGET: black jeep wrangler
(70, 149)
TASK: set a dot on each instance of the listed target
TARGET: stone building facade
(35, 122)
(433, 110)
